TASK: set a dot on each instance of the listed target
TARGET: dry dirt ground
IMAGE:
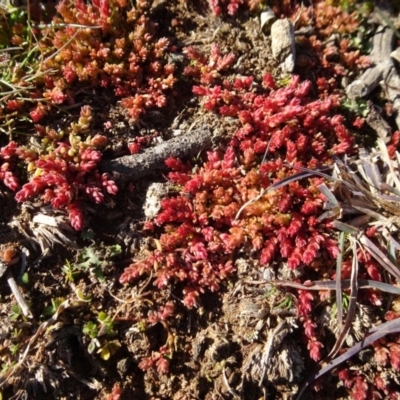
(216, 347)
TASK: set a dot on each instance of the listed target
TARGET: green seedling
(109, 349)
(90, 329)
(286, 304)
(90, 260)
(16, 333)
(14, 349)
(83, 297)
(4, 368)
(358, 107)
(71, 271)
(16, 312)
(272, 291)
(105, 326)
(345, 303)
(24, 279)
(51, 309)
(142, 325)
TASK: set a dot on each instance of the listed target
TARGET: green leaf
(90, 329)
(25, 278)
(115, 250)
(102, 316)
(55, 303)
(15, 312)
(104, 353)
(89, 258)
(82, 296)
(359, 106)
(98, 273)
(70, 271)
(109, 349)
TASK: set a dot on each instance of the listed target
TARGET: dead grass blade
(339, 299)
(369, 171)
(331, 199)
(352, 304)
(331, 285)
(346, 228)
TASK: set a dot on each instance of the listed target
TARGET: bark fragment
(137, 166)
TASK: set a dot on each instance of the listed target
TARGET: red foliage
(162, 314)
(66, 172)
(202, 229)
(394, 355)
(231, 6)
(315, 349)
(115, 393)
(359, 390)
(134, 148)
(158, 359)
(8, 155)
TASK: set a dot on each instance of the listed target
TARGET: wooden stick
(137, 166)
(18, 295)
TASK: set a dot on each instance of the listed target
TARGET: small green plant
(71, 271)
(24, 279)
(286, 303)
(345, 303)
(4, 368)
(16, 333)
(142, 325)
(104, 326)
(16, 312)
(82, 296)
(90, 329)
(272, 291)
(109, 349)
(90, 259)
(358, 107)
(14, 349)
(51, 309)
